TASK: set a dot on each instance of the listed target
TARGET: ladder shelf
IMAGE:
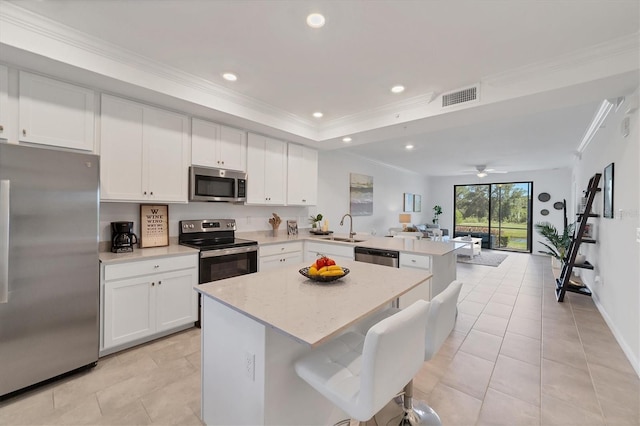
(565, 280)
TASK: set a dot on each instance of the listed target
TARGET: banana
(335, 268)
(313, 271)
(332, 273)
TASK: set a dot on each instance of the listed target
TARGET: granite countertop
(173, 249)
(308, 311)
(412, 246)
(268, 237)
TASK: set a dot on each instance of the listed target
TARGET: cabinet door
(275, 171)
(55, 113)
(121, 131)
(166, 164)
(4, 102)
(129, 310)
(302, 175)
(233, 149)
(177, 301)
(256, 169)
(204, 143)
(268, 263)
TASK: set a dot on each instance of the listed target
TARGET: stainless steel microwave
(209, 184)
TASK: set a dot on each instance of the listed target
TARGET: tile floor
(516, 357)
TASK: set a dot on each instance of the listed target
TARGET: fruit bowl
(320, 278)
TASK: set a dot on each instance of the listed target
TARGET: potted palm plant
(558, 244)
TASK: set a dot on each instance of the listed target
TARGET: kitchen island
(255, 327)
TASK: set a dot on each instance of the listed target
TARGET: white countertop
(146, 253)
(413, 246)
(268, 237)
(308, 311)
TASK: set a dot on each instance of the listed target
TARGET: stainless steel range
(222, 255)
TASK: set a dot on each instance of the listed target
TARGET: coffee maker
(122, 237)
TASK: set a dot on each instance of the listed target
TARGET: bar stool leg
(418, 414)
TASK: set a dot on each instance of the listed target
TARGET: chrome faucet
(351, 233)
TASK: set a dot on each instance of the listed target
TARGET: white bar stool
(440, 322)
(361, 373)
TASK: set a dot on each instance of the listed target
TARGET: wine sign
(154, 225)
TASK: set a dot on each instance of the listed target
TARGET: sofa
(427, 229)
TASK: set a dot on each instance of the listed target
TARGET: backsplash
(248, 218)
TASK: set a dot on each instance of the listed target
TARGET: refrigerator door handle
(5, 189)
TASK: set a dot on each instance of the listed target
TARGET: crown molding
(395, 113)
(627, 45)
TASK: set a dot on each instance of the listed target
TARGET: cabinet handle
(1, 128)
(159, 282)
(222, 161)
(144, 193)
(304, 201)
(413, 260)
(151, 193)
(153, 284)
(156, 266)
(24, 132)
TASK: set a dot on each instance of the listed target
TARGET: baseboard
(635, 362)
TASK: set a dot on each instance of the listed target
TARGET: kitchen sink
(342, 239)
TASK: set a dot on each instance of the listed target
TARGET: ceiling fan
(482, 171)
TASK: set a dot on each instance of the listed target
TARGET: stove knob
(192, 226)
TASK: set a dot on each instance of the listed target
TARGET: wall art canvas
(417, 203)
(608, 191)
(407, 205)
(361, 195)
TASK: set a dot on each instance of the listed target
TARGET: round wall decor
(544, 197)
(544, 212)
(558, 205)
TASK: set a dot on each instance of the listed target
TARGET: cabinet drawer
(415, 261)
(271, 249)
(152, 266)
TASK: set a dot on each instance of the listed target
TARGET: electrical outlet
(250, 365)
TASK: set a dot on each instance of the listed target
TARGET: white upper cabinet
(302, 176)
(266, 170)
(144, 153)
(214, 145)
(55, 113)
(4, 102)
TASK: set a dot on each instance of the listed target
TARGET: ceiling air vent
(461, 96)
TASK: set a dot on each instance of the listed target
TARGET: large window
(499, 213)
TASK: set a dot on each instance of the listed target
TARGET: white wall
(389, 184)
(616, 255)
(556, 182)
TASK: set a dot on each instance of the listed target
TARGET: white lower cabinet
(336, 251)
(146, 298)
(275, 256)
(423, 291)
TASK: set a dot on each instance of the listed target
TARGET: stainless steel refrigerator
(49, 272)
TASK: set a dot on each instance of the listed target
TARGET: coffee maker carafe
(122, 237)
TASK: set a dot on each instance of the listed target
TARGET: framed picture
(292, 227)
(588, 231)
(154, 225)
(417, 203)
(408, 202)
(608, 191)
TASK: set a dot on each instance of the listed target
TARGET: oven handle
(225, 252)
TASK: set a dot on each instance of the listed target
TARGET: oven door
(226, 263)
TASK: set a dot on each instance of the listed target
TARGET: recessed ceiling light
(317, 114)
(229, 76)
(315, 20)
(408, 146)
(397, 89)
(347, 139)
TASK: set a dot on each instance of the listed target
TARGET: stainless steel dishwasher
(378, 256)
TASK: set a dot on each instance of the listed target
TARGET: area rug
(484, 258)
